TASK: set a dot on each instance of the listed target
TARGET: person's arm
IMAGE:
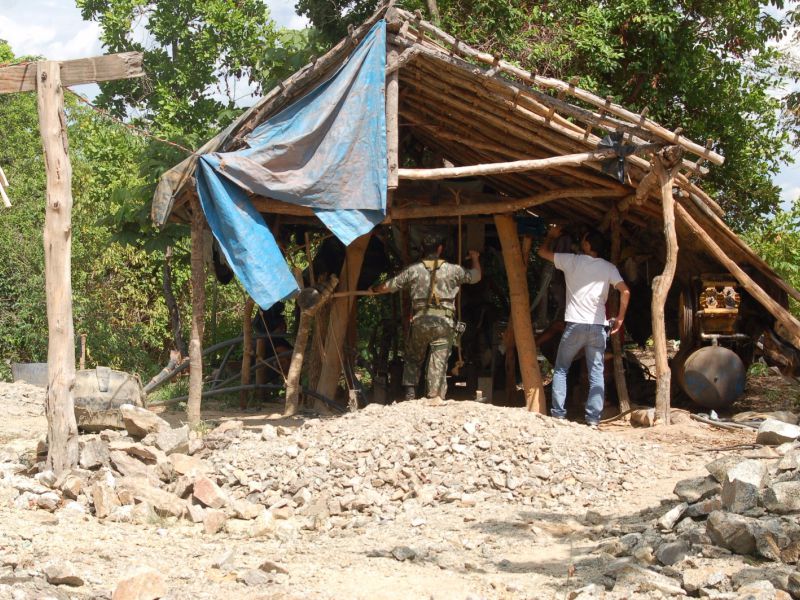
(624, 298)
(546, 248)
(474, 257)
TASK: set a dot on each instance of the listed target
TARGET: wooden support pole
(664, 166)
(198, 314)
(392, 120)
(518, 166)
(247, 349)
(300, 343)
(616, 340)
(62, 429)
(340, 311)
(790, 325)
(261, 369)
(645, 185)
(520, 313)
(508, 339)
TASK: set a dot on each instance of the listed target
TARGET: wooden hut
(535, 145)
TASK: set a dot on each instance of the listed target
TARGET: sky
(64, 35)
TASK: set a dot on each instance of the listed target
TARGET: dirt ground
(506, 544)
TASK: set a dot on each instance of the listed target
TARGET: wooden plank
(62, 429)
(520, 313)
(126, 65)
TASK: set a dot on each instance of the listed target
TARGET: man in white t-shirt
(588, 278)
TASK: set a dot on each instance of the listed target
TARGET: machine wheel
(686, 320)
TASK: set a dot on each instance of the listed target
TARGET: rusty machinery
(714, 349)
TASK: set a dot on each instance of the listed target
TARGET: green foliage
(195, 53)
(777, 241)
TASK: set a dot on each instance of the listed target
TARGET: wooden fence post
(62, 429)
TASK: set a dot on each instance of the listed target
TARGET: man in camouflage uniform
(433, 285)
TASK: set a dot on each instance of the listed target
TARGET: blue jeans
(592, 339)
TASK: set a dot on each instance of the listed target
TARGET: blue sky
(64, 35)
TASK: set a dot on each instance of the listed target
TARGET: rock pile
(324, 474)
(744, 506)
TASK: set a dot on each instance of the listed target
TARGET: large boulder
(741, 486)
(731, 531)
(696, 489)
(140, 421)
(164, 503)
(774, 433)
(782, 497)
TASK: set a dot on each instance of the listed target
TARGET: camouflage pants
(434, 332)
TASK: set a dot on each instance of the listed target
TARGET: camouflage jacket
(417, 280)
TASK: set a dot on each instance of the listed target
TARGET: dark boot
(410, 392)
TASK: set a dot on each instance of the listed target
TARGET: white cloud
(282, 11)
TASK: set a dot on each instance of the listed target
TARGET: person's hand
(473, 254)
(554, 231)
(616, 326)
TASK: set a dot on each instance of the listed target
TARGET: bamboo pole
(789, 322)
(247, 349)
(561, 86)
(62, 429)
(520, 313)
(511, 167)
(340, 311)
(518, 92)
(198, 313)
(664, 165)
(616, 340)
(392, 120)
(300, 343)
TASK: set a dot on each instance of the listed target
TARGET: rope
(138, 130)
(274, 349)
(460, 361)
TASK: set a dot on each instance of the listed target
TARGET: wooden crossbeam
(22, 78)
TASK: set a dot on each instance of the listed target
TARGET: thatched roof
(471, 108)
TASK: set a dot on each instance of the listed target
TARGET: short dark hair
(430, 245)
(597, 242)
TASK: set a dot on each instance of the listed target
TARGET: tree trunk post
(62, 429)
(198, 314)
(340, 310)
(508, 339)
(665, 166)
(172, 304)
(521, 313)
(300, 342)
(616, 340)
(247, 349)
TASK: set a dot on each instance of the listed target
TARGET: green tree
(707, 67)
(777, 241)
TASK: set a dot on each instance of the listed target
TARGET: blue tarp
(327, 151)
